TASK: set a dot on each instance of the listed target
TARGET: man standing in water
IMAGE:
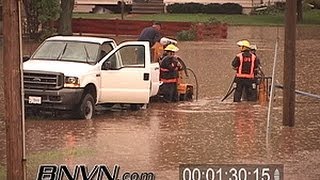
(169, 67)
(245, 64)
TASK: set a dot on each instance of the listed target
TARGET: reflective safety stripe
(164, 69)
(239, 73)
(169, 80)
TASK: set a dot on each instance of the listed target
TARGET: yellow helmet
(244, 43)
(171, 47)
(253, 47)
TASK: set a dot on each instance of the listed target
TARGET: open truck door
(126, 74)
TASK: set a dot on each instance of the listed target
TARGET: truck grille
(42, 80)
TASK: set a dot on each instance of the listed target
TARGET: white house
(84, 5)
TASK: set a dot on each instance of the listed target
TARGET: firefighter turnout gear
(169, 74)
(245, 64)
(169, 68)
(173, 73)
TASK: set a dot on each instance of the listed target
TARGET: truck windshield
(84, 52)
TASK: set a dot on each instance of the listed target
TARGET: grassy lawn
(2, 172)
(311, 17)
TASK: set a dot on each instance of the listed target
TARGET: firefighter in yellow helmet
(253, 50)
(169, 67)
(245, 63)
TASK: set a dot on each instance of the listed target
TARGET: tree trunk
(65, 20)
(299, 11)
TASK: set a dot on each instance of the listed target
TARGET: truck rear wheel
(85, 110)
(135, 107)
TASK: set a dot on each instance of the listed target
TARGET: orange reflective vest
(243, 60)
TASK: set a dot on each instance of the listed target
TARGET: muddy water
(163, 136)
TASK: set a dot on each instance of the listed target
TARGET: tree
(65, 20)
(299, 11)
(40, 16)
(32, 17)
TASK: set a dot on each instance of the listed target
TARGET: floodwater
(206, 131)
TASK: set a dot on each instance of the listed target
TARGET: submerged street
(163, 136)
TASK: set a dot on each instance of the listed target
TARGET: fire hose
(232, 88)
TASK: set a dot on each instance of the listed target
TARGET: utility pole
(12, 90)
(122, 9)
(289, 64)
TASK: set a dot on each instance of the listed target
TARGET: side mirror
(25, 58)
(107, 66)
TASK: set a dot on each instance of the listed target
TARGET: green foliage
(186, 35)
(48, 10)
(185, 8)
(231, 8)
(2, 172)
(46, 32)
(280, 5)
(212, 8)
(40, 17)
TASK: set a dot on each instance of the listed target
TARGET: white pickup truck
(76, 73)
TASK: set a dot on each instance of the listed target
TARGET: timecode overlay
(231, 172)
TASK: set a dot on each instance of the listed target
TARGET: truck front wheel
(85, 110)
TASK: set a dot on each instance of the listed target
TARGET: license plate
(34, 100)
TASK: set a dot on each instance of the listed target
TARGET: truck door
(125, 74)
(155, 78)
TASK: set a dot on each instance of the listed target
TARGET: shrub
(185, 8)
(231, 8)
(212, 8)
(193, 8)
(280, 5)
(174, 8)
(186, 35)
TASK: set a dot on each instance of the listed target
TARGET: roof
(99, 40)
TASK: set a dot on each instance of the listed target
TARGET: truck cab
(76, 73)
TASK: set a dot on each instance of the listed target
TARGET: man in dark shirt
(151, 34)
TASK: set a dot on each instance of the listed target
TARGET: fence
(133, 27)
